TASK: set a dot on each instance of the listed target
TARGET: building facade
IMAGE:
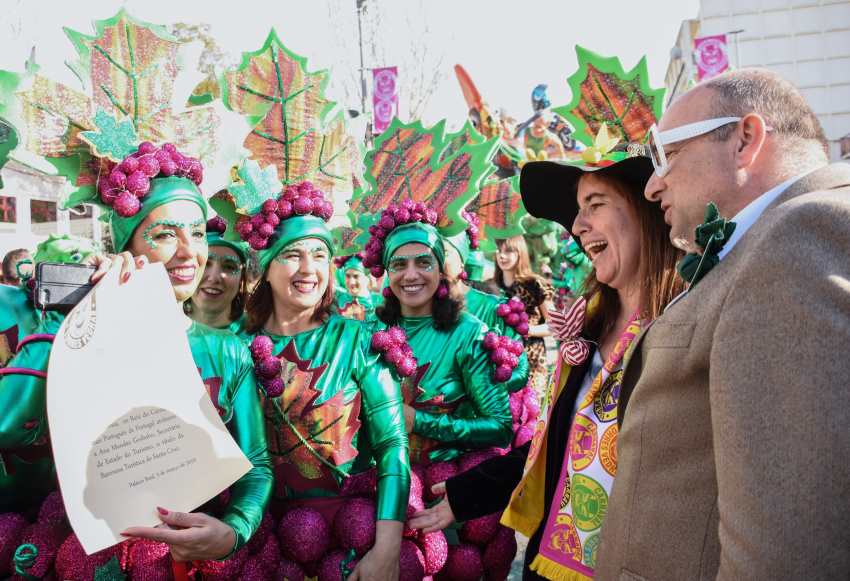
(805, 41)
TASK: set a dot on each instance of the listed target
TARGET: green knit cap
(163, 190)
(414, 232)
(292, 230)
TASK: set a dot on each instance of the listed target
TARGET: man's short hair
(754, 90)
(10, 273)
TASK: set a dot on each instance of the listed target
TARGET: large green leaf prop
(498, 204)
(604, 93)
(128, 69)
(499, 207)
(407, 162)
(295, 127)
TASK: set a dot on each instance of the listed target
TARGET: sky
(507, 47)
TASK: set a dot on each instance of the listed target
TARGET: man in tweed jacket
(734, 449)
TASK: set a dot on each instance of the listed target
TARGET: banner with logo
(384, 97)
(711, 55)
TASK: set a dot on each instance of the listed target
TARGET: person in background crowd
(17, 265)
(220, 299)
(516, 279)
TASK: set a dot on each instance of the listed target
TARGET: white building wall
(806, 41)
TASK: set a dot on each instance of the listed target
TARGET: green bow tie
(711, 236)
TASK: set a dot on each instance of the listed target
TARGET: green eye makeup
(424, 262)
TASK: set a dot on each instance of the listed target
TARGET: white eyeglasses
(658, 139)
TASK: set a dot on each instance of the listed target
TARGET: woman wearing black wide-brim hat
(557, 497)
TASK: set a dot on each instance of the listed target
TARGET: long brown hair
(260, 305)
(659, 282)
(523, 265)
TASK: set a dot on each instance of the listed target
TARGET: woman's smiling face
(608, 227)
(299, 274)
(414, 275)
(175, 235)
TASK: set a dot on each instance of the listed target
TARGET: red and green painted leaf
(605, 93)
(128, 68)
(407, 162)
(313, 439)
(295, 127)
(499, 207)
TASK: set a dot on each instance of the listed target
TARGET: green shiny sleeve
(384, 415)
(250, 494)
(23, 420)
(492, 426)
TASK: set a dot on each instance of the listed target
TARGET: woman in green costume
(27, 473)
(454, 402)
(354, 300)
(168, 225)
(484, 306)
(220, 299)
(340, 407)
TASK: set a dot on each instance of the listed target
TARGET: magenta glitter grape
(12, 527)
(479, 531)
(304, 535)
(411, 562)
(500, 553)
(354, 525)
(435, 548)
(464, 562)
(435, 473)
(289, 570)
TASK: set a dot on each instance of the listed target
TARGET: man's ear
(750, 134)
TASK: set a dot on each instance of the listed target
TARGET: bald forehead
(695, 105)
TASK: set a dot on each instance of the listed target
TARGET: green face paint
(168, 234)
(423, 262)
(229, 265)
(307, 247)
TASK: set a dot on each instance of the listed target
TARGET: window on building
(43, 217)
(8, 209)
(82, 221)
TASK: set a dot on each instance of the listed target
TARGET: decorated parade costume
(130, 68)
(360, 307)
(330, 406)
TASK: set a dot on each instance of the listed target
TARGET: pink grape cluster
(394, 349)
(395, 215)
(474, 228)
(504, 353)
(124, 185)
(340, 261)
(296, 200)
(216, 224)
(266, 365)
(513, 312)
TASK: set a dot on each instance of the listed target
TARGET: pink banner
(384, 97)
(712, 56)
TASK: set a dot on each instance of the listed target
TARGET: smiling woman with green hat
(155, 210)
(223, 290)
(602, 204)
(334, 383)
(354, 300)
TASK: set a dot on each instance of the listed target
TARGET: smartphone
(59, 286)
